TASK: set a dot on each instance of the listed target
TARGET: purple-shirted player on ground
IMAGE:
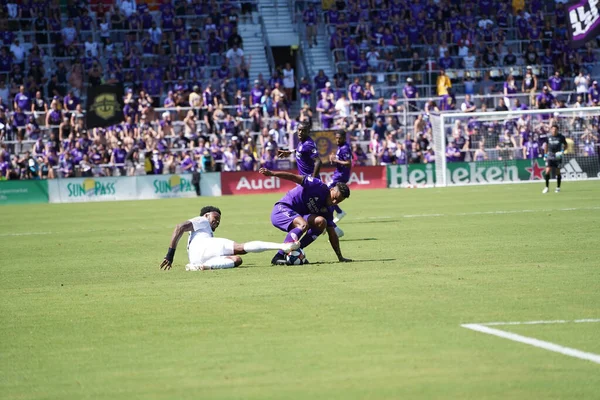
(342, 160)
(207, 252)
(307, 156)
(306, 210)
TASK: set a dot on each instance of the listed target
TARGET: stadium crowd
(190, 104)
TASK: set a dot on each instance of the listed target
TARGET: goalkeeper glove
(559, 154)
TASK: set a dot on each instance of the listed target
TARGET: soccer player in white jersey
(208, 252)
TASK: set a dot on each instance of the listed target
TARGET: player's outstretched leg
(258, 247)
(339, 214)
(547, 178)
(222, 262)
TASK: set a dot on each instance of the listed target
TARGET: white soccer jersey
(202, 230)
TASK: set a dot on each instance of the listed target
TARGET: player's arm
(299, 179)
(335, 244)
(180, 229)
(336, 160)
(317, 169)
(283, 153)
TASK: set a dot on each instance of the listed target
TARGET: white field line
(484, 328)
(499, 212)
(558, 321)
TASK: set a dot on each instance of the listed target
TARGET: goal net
(505, 147)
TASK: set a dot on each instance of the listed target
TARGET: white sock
(258, 246)
(219, 263)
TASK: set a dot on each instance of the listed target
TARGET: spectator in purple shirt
(71, 101)
(355, 90)
(352, 51)
(248, 162)
(452, 151)
(67, 167)
(188, 165)
(326, 108)
(446, 62)
(361, 65)
(594, 93)
(410, 93)
(310, 20)
(320, 80)
(556, 82)
(305, 91)
(22, 99)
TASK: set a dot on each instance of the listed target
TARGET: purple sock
(337, 209)
(292, 236)
(311, 235)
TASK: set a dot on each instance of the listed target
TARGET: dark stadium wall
(283, 55)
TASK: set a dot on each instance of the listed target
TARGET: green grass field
(87, 314)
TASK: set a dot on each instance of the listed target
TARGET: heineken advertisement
(461, 173)
(23, 192)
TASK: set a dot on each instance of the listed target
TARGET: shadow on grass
(357, 240)
(372, 221)
(353, 262)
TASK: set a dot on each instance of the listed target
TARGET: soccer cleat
(278, 259)
(557, 190)
(290, 246)
(545, 190)
(192, 267)
(339, 217)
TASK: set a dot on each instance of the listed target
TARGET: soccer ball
(295, 257)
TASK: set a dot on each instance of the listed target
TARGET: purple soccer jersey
(306, 154)
(308, 198)
(342, 172)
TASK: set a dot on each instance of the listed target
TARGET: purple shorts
(336, 179)
(282, 217)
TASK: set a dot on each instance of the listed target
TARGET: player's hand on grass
(265, 172)
(166, 264)
(344, 259)
(168, 261)
(283, 153)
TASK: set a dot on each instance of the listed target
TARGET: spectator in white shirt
(469, 61)
(582, 84)
(342, 106)
(235, 56)
(155, 34)
(373, 58)
(483, 23)
(18, 52)
(91, 46)
(467, 105)
(127, 7)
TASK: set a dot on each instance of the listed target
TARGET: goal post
(508, 147)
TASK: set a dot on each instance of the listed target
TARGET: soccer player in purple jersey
(207, 252)
(305, 210)
(307, 156)
(343, 163)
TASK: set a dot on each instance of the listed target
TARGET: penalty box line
(542, 344)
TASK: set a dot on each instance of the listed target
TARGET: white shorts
(200, 251)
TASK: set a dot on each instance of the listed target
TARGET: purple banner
(584, 22)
